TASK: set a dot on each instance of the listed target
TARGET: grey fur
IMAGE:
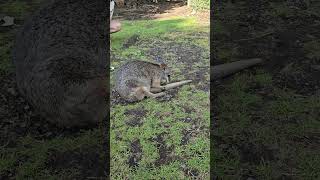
(60, 58)
(135, 74)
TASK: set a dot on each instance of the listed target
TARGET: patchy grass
(147, 29)
(268, 117)
(15, 8)
(312, 48)
(263, 130)
(163, 138)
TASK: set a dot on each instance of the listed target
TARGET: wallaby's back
(60, 61)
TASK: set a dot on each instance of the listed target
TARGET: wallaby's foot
(163, 88)
(142, 92)
(150, 94)
(157, 89)
(158, 95)
(154, 95)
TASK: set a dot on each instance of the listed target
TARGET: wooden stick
(176, 84)
(224, 70)
(256, 37)
(171, 86)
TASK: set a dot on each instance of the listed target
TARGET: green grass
(312, 48)
(165, 120)
(15, 8)
(200, 4)
(161, 118)
(19, 9)
(153, 29)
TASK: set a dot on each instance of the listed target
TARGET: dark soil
(19, 119)
(137, 119)
(282, 48)
(164, 151)
(146, 11)
(186, 55)
(136, 154)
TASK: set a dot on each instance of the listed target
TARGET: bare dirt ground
(161, 11)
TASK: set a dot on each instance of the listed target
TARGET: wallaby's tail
(177, 84)
(224, 70)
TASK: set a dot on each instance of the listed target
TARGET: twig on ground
(95, 177)
(256, 37)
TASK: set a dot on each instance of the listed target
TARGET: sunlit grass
(153, 29)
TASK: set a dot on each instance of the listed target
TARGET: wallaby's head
(165, 74)
(165, 71)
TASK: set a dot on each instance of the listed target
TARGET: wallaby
(136, 80)
(60, 58)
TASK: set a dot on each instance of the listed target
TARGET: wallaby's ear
(162, 65)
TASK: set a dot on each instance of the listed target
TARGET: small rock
(251, 178)
(12, 91)
(188, 119)
(223, 146)
(8, 21)
(316, 67)
(26, 107)
(23, 125)
(48, 134)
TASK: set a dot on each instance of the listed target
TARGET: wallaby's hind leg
(157, 89)
(155, 95)
(147, 93)
(142, 92)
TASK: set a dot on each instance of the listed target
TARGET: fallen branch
(257, 37)
(177, 84)
(224, 70)
(171, 86)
